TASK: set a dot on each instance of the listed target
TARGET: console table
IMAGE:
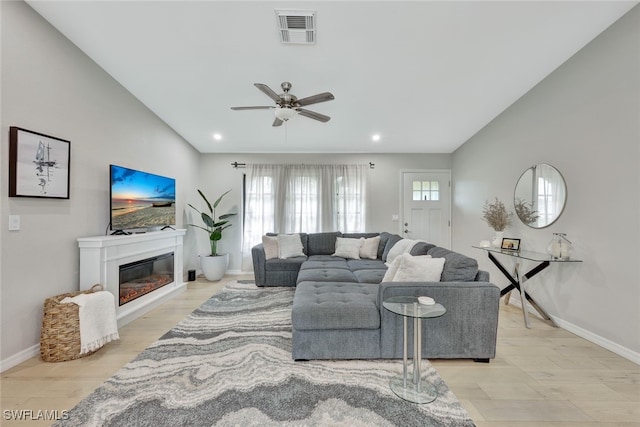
(517, 279)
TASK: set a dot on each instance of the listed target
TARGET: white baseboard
(587, 335)
(123, 319)
(20, 357)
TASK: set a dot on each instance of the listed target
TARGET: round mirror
(540, 196)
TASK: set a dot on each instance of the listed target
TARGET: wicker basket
(60, 335)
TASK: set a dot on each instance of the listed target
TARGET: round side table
(415, 390)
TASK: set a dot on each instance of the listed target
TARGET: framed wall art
(39, 165)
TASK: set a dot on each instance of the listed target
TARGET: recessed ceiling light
(375, 137)
(217, 136)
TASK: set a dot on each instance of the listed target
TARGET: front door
(426, 206)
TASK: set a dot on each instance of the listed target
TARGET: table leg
(417, 343)
(523, 295)
(404, 351)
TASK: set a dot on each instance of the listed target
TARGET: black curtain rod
(237, 165)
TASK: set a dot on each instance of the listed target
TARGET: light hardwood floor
(543, 376)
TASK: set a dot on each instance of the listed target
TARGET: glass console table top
(409, 307)
(529, 255)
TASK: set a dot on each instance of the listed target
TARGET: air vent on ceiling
(297, 26)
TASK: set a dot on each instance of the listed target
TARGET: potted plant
(495, 214)
(213, 265)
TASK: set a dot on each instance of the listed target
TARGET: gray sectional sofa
(337, 310)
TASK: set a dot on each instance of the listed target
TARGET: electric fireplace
(141, 277)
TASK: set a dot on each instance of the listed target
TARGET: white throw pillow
(348, 248)
(392, 269)
(401, 247)
(419, 269)
(270, 244)
(369, 248)
(289, 245)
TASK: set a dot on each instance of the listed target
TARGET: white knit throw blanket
(98, 324)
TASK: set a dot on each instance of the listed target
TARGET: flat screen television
(141, 200)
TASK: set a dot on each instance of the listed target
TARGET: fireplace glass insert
(141, 277)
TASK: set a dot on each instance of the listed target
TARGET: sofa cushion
(332, 263)
(390, 240)
(366, 264)
(322, 243)
(289, 264)
(422, 268)
(289, 245)
(421, 248)
(326, 275)
(457, 267)
(369, 276)
(335, 306)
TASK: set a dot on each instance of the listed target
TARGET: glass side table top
(404, 306)
(530, 255)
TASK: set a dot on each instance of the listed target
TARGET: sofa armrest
(259, 264)
(467, 330)
(482, 276)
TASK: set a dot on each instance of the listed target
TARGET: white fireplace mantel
(102, 256)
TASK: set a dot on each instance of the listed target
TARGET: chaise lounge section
(337, 310)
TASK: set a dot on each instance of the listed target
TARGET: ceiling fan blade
(314, 99)
(268, 91)
(313, 115)
(252, 108)
(277, 122)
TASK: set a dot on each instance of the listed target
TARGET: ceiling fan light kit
(288, 105)
(285, 114)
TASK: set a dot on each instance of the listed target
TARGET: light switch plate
(14, 222)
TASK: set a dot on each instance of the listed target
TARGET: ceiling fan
(288, 105)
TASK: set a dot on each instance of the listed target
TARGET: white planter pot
(497, 239)
(214, 267)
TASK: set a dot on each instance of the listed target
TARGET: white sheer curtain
(550, 193)
(302, 198)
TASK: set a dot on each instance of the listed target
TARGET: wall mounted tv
(141, 200)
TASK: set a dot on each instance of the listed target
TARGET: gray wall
(217, 176)
(50, 86)
(583, 119)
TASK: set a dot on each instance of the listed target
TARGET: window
(302, 199)
(426, 190)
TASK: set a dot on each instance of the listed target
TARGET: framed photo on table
(38, 165)
(510, 244)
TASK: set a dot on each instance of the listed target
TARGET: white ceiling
(425, 75)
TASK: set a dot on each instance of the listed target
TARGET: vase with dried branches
(496, 215)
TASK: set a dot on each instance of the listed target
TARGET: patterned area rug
(229, 364)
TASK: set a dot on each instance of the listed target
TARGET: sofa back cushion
(421, 248)
(322, 243)
(387, 240)
(457, 267)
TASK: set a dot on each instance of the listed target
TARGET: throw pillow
(403, 246)
(369, 248)
(392, 269)
(419, 269)
(348, 248)
(289, 245)
(270, 244)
